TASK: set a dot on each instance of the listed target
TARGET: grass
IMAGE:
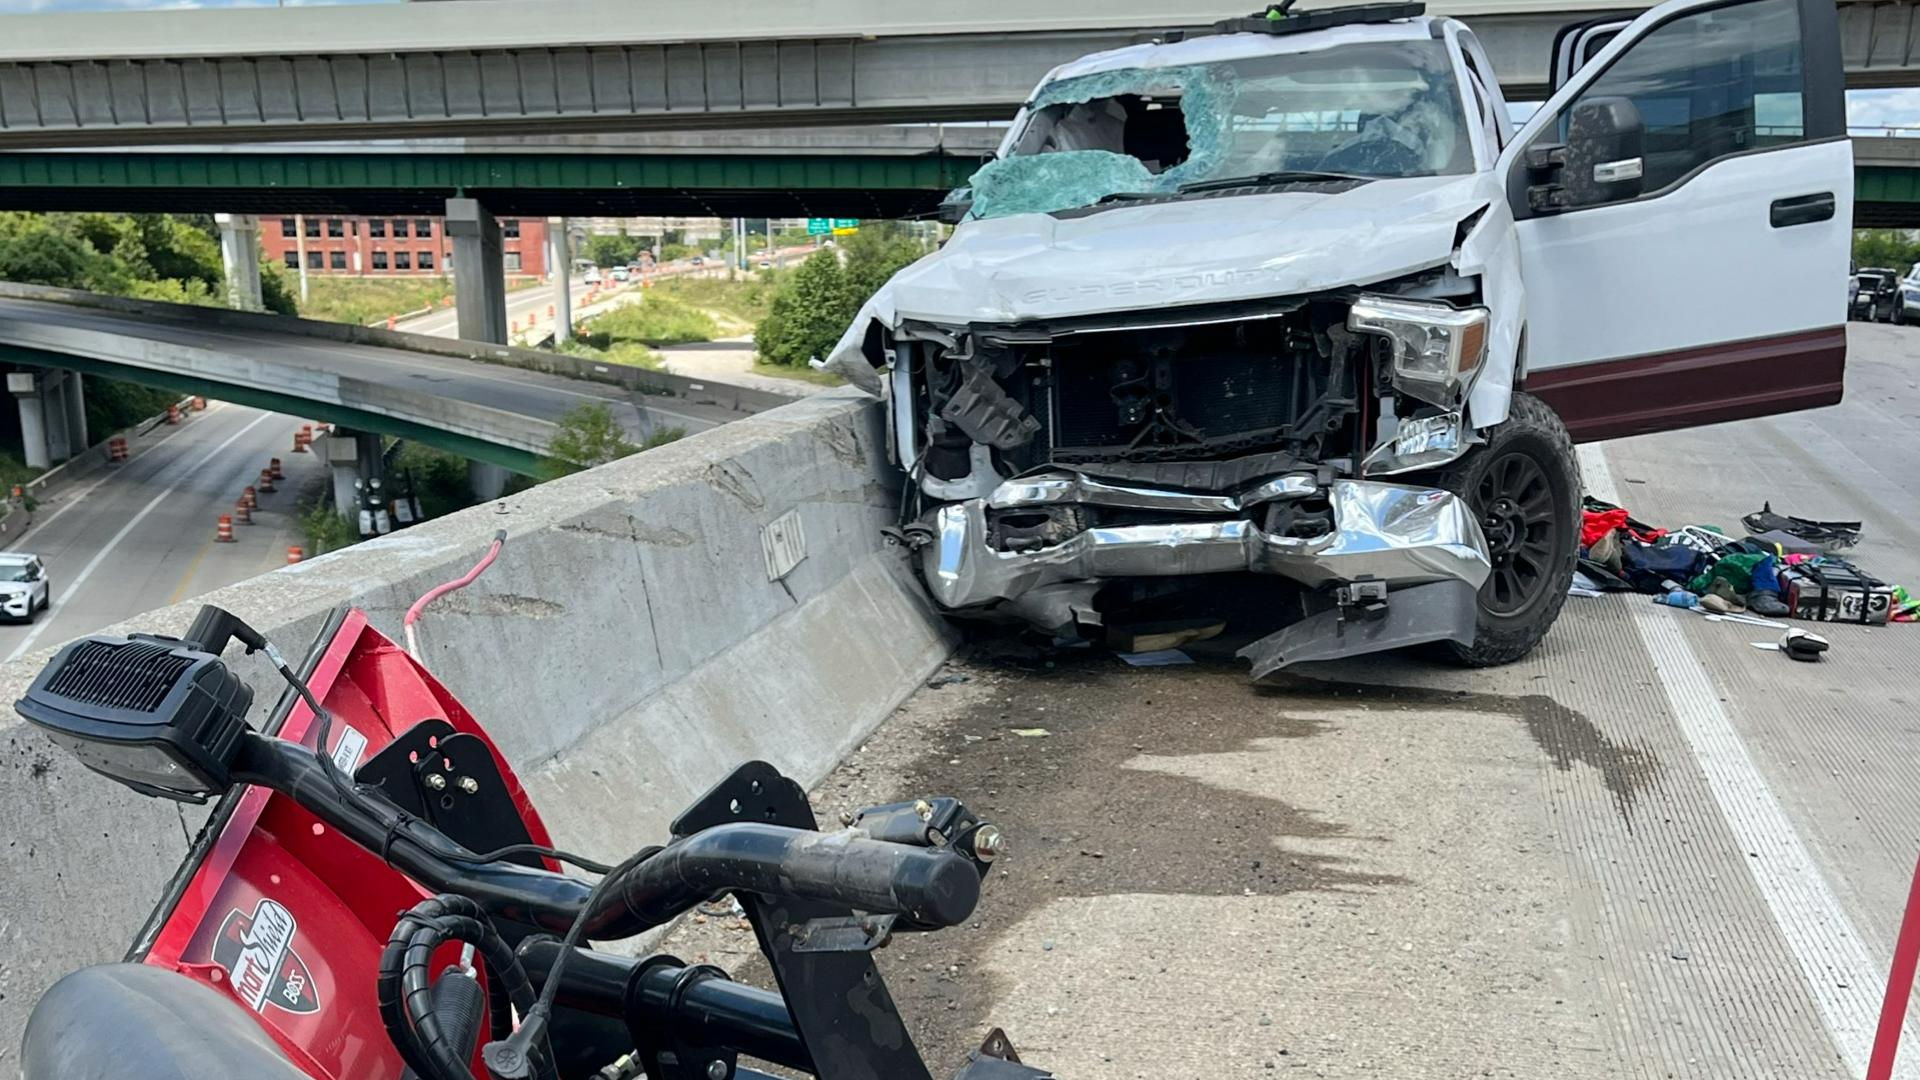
(368, 300)
(624, 353)
(743, 301)
(801, 374)
(364, 301)
(13, 471)
(326, 529)
(653, 320)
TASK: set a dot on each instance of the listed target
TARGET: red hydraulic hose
(438, 591)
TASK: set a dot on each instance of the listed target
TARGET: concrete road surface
(1649, 850)
(141, 535)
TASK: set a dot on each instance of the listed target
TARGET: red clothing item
(1594, 526)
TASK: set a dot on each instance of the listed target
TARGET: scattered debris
(1798, 645)
(1162, 636)
(1786, 567)
(1157, 658)
(1032, 732)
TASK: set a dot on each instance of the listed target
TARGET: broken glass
(1370, 109)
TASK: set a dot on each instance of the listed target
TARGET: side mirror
(1601, 162)
(953, 209)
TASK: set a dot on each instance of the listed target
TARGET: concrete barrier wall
(626, 651)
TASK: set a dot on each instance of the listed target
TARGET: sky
(1865, 108)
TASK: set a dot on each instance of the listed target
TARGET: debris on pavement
(1156, 658)
(1032, 732)
(1798, 644)
(1785, 567)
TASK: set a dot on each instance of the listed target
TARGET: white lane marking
(76, 497)
(73, 587)
(1841, 974)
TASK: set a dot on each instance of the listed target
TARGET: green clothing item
(1736, 570)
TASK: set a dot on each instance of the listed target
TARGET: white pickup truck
(1295, 301)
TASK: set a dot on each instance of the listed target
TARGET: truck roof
(1209, 48)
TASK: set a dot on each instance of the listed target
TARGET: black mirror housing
(1604, 161)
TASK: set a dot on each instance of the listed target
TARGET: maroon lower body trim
(1711, 384)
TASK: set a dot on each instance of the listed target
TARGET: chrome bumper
(1386, 532)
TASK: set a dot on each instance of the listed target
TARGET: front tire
(1524, 487)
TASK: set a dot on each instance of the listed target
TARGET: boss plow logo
(257, 951)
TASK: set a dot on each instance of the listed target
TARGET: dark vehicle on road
(1877, 296)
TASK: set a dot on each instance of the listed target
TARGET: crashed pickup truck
(1295, 301)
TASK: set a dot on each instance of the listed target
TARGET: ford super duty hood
(1168, 254)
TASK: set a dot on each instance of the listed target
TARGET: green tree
(809, 313)
(612, 250)
(1895, 248)
(878, 251)
(586, 436)
(277, 294)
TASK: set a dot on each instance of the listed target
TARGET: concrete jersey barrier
(626, 650)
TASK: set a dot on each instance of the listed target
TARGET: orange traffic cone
(265, 484)
(173, 414)
(199, 404)
(247, 496)
(223, 532)
(117, 448)
(273, 466)
(243, 512)
(391, 321)
(293, 555)
(302, 438)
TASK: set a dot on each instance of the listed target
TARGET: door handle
(1801, 209)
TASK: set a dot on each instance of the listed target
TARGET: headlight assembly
(1435, 347)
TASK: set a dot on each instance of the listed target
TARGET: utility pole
(300, 249)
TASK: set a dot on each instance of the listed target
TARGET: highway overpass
(745, 174)
(488, 403)
(872, 172)
(545, 66)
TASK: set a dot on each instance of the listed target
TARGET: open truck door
(1683, 207)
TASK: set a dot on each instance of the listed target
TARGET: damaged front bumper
(1387, 534)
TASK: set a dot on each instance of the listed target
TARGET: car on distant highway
(620, 273)
(1876, 297)
(697, 261)
(23, 586)
(593, 276)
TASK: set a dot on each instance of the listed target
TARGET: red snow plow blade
(228, 917)
(390, 908)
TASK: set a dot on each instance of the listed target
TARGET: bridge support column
(55, 416)
(77, 411)
(479, 272)
(25, 385)
(488, 481)
(240, 256)
(560, 266)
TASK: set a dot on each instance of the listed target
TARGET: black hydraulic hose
(930, 886)
(703, 1009)
(407, 1003)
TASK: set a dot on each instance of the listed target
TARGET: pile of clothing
(1785, 567)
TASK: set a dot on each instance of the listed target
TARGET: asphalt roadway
(140, 535)
(1649, 850)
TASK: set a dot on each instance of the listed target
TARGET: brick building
(383, 246)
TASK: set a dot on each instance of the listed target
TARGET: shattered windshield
(1370, 109)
